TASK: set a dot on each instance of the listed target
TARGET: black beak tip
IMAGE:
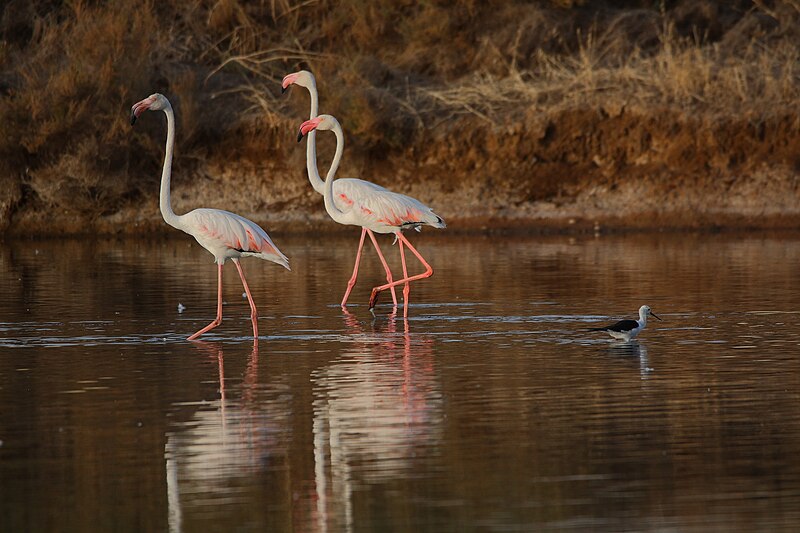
(300, 136)
(133, 119)
(283, 90)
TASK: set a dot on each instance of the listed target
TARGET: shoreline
(468, 227)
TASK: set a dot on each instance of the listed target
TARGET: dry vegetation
(551, 110)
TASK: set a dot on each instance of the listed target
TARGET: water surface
(491, 408)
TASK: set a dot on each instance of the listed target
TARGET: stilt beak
(652, 314)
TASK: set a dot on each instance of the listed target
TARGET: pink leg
(428, 272)
(253, 310)
(391, 284)
(407, 286)
(352, 281)
(216, 322)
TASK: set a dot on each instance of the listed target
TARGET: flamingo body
(362, 203)
(378, 209)
(395, 212)
(368, 205)
(226, 235)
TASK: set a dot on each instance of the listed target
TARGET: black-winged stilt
(628, 329)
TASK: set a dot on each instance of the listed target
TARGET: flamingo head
(322, 122)
(303, 78)
(154, 102)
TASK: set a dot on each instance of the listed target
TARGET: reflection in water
(174, 516)
(376, 406)
(223, 441)
(489, 408)
(635, 350)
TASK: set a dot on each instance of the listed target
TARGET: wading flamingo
(224, 234)
(353, 194)
(346, 192)
(377, 210)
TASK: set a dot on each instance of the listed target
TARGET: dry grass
(389, 70)
(755, 80)
(64, 115)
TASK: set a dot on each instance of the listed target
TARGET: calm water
(489, 409)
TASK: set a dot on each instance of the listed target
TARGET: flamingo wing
(349, 192)
(231, 235)
(378, 205)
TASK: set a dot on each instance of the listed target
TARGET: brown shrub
(391, 72)
(65, 117)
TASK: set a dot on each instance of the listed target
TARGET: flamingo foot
(214, 323)
(373, 298)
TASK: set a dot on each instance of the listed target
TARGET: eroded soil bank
(547, 115)
(614, 168)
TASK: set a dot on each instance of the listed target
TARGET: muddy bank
(559, 114)
(579, 169)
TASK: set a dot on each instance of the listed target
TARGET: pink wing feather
(223, 229)
(379, 205)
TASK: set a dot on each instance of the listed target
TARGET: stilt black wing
(622, 326)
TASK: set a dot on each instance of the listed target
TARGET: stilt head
(644, 312)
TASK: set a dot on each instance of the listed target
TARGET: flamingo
(224, 234)
(375, 209)
(355, 194)
(346, 191)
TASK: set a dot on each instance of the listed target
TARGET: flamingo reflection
(224, 440)
(373, 408)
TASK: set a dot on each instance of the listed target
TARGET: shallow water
(491, 408)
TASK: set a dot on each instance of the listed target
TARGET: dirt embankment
(560, 115)
(615, 167)
(575, 170)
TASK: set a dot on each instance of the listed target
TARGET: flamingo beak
(288, 80)
(139, 108)
(307, 126)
